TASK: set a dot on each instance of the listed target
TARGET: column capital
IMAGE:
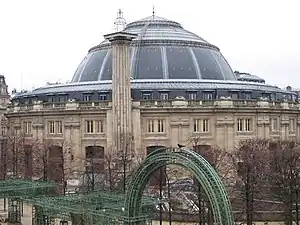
(120, 36)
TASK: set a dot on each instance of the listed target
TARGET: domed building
(154, 84)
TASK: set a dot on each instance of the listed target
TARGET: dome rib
(163, 50)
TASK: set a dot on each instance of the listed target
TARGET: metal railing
(223, 103)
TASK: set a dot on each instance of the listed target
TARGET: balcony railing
(90, 105)
(220, 103)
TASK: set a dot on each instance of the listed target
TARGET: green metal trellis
(108, 207)
(17, 189)
(94, 208)
(200, 168)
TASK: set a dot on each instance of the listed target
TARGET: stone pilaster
(121, 89)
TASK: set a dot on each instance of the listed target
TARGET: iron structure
(197, 165)
(106, 207)
(17, 189)
(93, 208)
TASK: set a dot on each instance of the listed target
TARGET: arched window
(28, 161)
(205, 151)
(159, 177)
(94, 156)
(55, 164)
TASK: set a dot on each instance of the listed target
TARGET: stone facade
(4, 101)
(164, 123)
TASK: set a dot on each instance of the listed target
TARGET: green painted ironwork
(93, 208)
(104, 207)
(197, 165)
(18, 188)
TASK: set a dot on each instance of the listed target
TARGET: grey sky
(45, 40)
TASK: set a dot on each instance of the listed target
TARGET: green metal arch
(190, 160)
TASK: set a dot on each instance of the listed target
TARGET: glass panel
(107, 70)
(92, 68)
(180, 64)
(78, 71)
(227, 72)
(149, 64)
(207, 64)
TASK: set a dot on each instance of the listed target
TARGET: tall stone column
(121, 90)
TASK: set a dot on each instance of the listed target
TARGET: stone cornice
(177, 105)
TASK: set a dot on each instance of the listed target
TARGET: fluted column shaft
(121, 90)
(121, 94)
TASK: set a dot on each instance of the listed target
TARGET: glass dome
(162, 50)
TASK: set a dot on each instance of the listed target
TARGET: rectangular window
(247, 96)
(247, 125)
(55, 127)
(102, 97)
(207, 96)
(58, 127)
(86, 98)
(201, 125)
(150, 126)
(51, 127)
(89, 126)
(192, 95)
(94, 126)
(147, 96)
(240, 125)
(51, 98)
(100, 126)
(164, 96)
(62, 98)
(244, 125)
(205, 125)
(160, 126)
(27, 127)
(274, 124)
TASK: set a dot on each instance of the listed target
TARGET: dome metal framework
(162, 50)
(164, 58)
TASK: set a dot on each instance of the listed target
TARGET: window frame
(94, 126)
(201, 125)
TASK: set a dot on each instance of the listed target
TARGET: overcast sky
(45, 40)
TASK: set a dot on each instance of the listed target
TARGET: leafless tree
(251, 160)
(284, 176)
(3, 157)
(52, 160)
(222, 161)
(120, 165)
(15, 155)
(110, 169)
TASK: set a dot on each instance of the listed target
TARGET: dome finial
(120, 22)
(153, 11)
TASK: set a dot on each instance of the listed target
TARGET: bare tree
(110, 169)
(52, 160)
(284, 176)
(120, 165)
(15, 154)
(222, 161)
(251, 160)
